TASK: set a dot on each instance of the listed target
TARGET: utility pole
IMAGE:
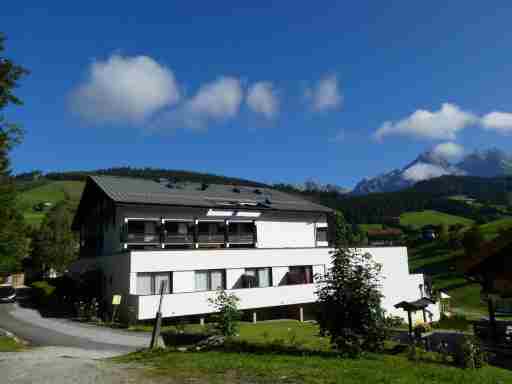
(158, 320)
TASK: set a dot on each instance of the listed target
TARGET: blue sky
(271, 92)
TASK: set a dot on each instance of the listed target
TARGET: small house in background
(491, 267)
(16, 280)
(384, 237)
(445, 304)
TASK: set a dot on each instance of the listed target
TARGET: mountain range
(487, 163)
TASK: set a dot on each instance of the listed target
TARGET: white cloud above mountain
(124, 89)
(325, 94)
(448, 151)
(442, 124)
(423, 171)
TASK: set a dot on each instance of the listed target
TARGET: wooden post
(158, 320)
(301, 314)
(254, 317)
(492, 317)
(409, 317)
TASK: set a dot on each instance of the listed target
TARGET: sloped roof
(142, 191)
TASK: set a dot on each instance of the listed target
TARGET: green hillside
(51, 192)
(421, 218)
(441, 262)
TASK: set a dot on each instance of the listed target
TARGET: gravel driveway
(63, 365)
(64, 352)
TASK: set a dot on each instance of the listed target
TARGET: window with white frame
(321, 234)
(210, 280)
(150, 283)
(258, 278)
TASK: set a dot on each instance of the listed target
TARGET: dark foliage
(155, 174)
(13, 239)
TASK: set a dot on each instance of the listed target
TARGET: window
(258, 277)
(210, 280)
(302, 274)
(149, 283)
(321, 234)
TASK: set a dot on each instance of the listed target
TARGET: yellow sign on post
(116, 299)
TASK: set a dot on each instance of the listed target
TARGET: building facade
(263, 245)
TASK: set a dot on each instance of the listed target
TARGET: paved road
(66, 352)
(29, 325)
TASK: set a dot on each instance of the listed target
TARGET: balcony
(211, 238)
(242, 238)
(142, 238)
(146, 234)
(177, 238)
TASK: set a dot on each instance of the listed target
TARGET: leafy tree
(14, 243)
(349, 300)
(228, 316)
(54, 245)
(472, 241)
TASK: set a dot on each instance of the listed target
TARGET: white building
(261, 244)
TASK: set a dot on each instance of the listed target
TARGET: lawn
(52, 192)
(419, 219)
(491, 230)
(291, 332)
(9, 345)
(227, 367)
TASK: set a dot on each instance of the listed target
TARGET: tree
(228, 315)
(349, 301)
(14, 243)
(54, 245)
(472, 241)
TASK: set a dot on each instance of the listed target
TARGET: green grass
(9, 345)
(289, 331)
(366, 227)
(438, 260)
(419, 219)
(491, 230)
(226, 367)
(53, 192)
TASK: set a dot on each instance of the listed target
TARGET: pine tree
(14, 242)
(350, 300)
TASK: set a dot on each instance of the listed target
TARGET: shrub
(468, 353)
(393, 321)
(43, 293)
(228, 316)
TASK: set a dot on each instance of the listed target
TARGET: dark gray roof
(142, 191)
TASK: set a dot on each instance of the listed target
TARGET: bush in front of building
(43, 293)
(227, 316)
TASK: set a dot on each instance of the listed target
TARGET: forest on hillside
(144, 173)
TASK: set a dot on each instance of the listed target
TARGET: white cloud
(124, 89)
(262, 98)
(500, 122)
(423, 171)
(442, 124)
(325, 94)
(448, 151)
(215, 101)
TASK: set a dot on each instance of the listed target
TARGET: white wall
(397, 283)
(285, 234)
